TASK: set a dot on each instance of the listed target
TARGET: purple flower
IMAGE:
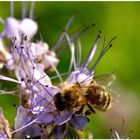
(40, 52)
(38, 114)
(17, 28)
(25, 125)
(60, 131)
(79, 121)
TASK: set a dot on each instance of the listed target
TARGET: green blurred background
(121, 19)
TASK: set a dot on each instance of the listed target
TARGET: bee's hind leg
(88, 112)
(80, 110)
(90, 107)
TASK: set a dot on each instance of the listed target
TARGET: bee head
(60, 105)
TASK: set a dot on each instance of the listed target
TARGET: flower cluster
(45, 111)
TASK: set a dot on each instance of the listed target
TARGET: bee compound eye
(58, 101)
(58, 96)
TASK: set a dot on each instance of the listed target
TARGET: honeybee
(94, 95)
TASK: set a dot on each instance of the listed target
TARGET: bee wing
(114, 93)
(105, 79)
(115, 96)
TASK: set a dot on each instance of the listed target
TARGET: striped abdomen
(99, 97)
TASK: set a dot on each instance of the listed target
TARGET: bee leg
(59, 113)
(87, 119)
(88, 112)
(80, 110)
(90, 107)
